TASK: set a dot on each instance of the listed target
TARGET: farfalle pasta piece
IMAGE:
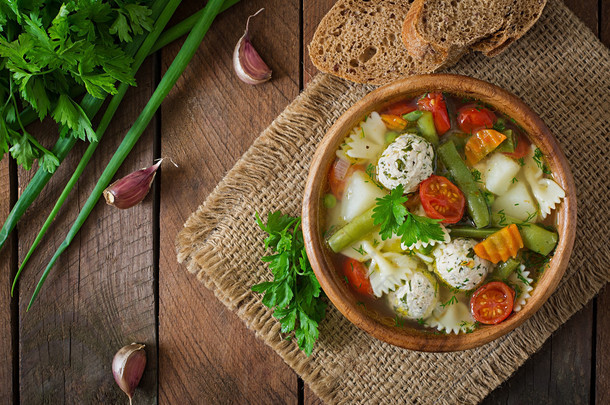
(520, 278)
(546, 191)
(388, 269)
(453, 318)
(366, 141)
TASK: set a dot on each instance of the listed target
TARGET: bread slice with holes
(438, 26)
(360, 41)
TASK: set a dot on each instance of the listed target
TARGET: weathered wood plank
(602, 365)
(313, 11)
(100, 294)
(602, 361)
(209, 120)
(6, 261)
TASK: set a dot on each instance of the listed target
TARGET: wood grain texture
(602, 360)
(210, 118)
(6, 262)
(313, 11)
(100, 296)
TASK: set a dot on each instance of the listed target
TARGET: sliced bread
(359, 41)
(488, 26)
(523, 15)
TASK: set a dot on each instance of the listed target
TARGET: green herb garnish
(295, 293)
(395, 219)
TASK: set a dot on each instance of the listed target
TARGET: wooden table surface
(120, 282)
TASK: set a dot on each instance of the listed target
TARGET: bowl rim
(329, 279)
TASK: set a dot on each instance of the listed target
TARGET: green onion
(142, 53)
(90, 105)
(64, 145)
(175, 70)
(184, 26)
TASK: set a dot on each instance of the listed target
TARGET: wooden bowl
(319, 254)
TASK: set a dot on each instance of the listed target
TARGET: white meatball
(417, 298)
(458, 266)
(406, 161)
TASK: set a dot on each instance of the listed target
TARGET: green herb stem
(184, 26)
(115, 101)
(175, 70)
(64, 144)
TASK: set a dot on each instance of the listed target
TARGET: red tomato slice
(435, 102)
(522, 149)
(492, 303)
(338, 175)
(399, 108)
(472, 117)
(356, 276)
(442, 199)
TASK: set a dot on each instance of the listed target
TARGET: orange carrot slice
(483, 142)
(394, 122)
(500, 245)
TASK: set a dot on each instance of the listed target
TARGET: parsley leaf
(394, 219)
(295, 293)
(389, 212)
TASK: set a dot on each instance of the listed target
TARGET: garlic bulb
(248, 64)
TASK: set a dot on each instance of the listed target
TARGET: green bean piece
(426, 127)
(458, 138)
(505, 269)
(355, 230)
(390, 136)
(535, 237)
(509, 144)
(468, 232)
(475, 201)
(413, 115)
(538, 239)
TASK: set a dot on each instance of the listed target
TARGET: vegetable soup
(439, 213)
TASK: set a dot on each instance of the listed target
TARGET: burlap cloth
(562, 71)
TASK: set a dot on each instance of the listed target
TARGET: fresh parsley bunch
(394, 219)
(51, 51)
(295, 293)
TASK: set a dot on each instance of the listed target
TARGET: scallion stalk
(116, 99)
(184, 26)
(65, 143)
(175, 70)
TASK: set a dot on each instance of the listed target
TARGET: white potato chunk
(517, 202)
(497, 173)
(360, 195)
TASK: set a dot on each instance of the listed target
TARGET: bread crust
(352, 28)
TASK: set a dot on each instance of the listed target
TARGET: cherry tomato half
(355, 272)
(492, 303)
(435, 102)
(522, 148)
(442, 199)
(400, 108)
(472, 117)
(338, 175)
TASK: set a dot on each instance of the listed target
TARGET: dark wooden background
(120, 282)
